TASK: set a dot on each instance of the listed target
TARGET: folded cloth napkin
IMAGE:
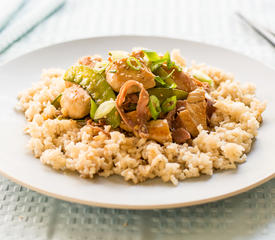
(28, 21)
(8, 11)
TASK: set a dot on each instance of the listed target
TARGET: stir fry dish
(143, 93)
(141, 115)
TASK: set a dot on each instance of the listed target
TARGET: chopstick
(267, 34)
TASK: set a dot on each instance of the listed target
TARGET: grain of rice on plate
(65, 144)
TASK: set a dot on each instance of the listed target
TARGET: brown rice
(65, 145)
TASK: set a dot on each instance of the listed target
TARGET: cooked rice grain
(64, 144)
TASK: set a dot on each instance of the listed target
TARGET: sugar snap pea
(96, 85)
(163, 93)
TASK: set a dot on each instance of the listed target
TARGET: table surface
(25, 214)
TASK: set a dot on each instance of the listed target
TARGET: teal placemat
(25, 214)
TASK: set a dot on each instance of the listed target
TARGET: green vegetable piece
(169, 104)
(167, 78)
(136, 66)
(104, 108)
(155, 60)
(202, 77)
(154, 107)
(56, 101)
(163, 93)
(113, 118)
(170, 74)
(160, 81)
(93, 109)
(100, 66)
(151, 55)
(95, 84)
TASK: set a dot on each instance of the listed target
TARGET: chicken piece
(194, 114)
(120, 72)
(159, 131)
(184, 81)
(196, 105)
(75, 102)
(185, 120)
(90, 61)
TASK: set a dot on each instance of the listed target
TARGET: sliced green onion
(169, 82)
(104, 108)
(100, 66)
(160, 81)
(166, 56)
(112, 71)
(93, 109)
(154, 107)
(172, 85)
(156, 61)
(137, 65)
(169, 104)
(170, 74)
(56, 101)
(151, 55)
(202, 77)
(157, 64)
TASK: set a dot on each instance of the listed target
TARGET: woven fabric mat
(25, 214)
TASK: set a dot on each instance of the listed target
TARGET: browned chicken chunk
(184, 81)
(196, 105)
(185, 119)
(120, 72)
(159, 131)
(195, 112)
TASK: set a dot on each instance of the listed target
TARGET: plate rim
(140, 207)
(268, 177)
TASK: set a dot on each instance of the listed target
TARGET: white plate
(19, 165)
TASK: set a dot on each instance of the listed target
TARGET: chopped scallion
(154, 107)
(160, 81)
(93, 109)
(100, 66)
(104, 108)
(136, 66)
(56, 101)
(169, 104)
(202, 77)
(151, 55)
